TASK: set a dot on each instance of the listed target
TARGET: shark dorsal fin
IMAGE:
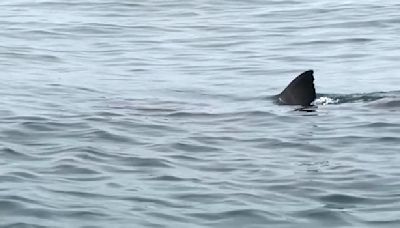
(300, 91)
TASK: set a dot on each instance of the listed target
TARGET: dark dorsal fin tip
(300, 91)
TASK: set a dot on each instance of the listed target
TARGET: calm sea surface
(160, 113)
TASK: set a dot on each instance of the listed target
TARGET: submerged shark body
(300, 91)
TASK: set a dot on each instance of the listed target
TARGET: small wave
(13, 154)
(193, 114)
(27, 175)
(388, 102)
(132, 161)
(151, 200)
(194, 148)
(172, 178)
(23, 225)
(70, 169)
(239, 217)
(325, 216)
(380, 125)
(351, 98)
(342, 199)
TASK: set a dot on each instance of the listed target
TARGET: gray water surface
(160, 114)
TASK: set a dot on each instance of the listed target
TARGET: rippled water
(161, 114)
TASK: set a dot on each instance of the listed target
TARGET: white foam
(325, 101)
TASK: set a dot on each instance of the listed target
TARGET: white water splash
(325, 101)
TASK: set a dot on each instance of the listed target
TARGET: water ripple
(162, 114)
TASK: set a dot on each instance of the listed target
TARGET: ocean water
(160, 113)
